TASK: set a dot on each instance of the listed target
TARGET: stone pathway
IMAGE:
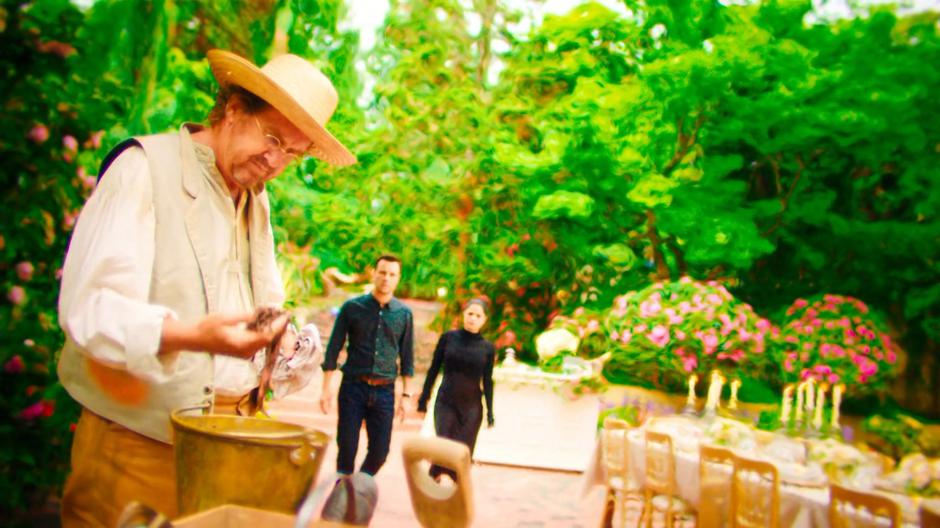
(504, 496)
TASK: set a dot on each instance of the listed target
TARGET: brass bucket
(223, 459)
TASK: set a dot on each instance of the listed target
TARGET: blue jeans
(358, 401)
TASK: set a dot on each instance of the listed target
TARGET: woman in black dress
(467, 360)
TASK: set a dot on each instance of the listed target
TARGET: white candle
(733, 403)
(810, 383)
(714, 391)
(690, 401)
(787, 404)
(800, 389)
(820, 403)
(836, 403)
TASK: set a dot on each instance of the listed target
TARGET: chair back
(715, 468)
(615, 451)
(929, 516)
(855, 508)
(437, 505)
(660, 477)
(755, 494)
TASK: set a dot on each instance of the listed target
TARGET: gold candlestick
(836, 404)
(733, 402)
(786, 406)
(820, 403)
(800, 390)
(690, 400)
(810, 404)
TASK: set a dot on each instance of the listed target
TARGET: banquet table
(800, 506)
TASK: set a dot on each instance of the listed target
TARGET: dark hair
(388, 258)
(479, 302)
(251, 102)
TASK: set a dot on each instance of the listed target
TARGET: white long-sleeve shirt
(103, 304)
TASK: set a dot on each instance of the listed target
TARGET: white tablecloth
(799, 506)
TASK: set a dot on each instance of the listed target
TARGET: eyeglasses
(275, 144)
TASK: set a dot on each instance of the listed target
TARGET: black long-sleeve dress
(467, 360)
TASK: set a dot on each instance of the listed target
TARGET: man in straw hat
(171, 255)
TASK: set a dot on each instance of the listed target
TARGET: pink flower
(33, 411)
(659, 336)
(620, 302)
(763, 325)
(615, 335)
(580, 310)
(833, 378)
(710, 341)
(714, 299)
(16, 295)
(593, 325)
(649, 308)
(14, 365)
(799, 303)
(891, 357)
(685, 307)
(689, 363)
(70, 143)
(639, 329)
(95, 139)
(24, 270)
(69, 219)
(626, 337)
(680, 335)
(38, 134)
(58, 274)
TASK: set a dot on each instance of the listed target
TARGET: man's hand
(402, 409)
(288, 343)
(219, 334)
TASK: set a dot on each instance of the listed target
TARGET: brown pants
(112, 466)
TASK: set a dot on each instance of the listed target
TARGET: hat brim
(228, 68)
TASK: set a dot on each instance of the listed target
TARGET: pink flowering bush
(837, 339)
(669, 330)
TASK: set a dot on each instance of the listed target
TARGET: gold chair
(615, 457)
(929, 516)
(850, 507)
(715, 468)
(660, 481)
(755, 494)
(437, 505)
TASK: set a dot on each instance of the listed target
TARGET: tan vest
(186, 270)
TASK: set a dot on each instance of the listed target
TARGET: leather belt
(373, 381)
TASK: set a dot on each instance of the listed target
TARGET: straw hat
(295, 88)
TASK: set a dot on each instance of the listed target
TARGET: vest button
(207, 389)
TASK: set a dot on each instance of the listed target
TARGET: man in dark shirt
(381, 332)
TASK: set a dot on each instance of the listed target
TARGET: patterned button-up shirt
(379, 336)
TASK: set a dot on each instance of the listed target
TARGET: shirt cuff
(143, 347)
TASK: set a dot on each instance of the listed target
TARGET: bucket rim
(314, 437)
